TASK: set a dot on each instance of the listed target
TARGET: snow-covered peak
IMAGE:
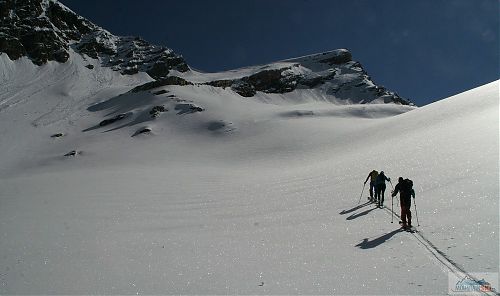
(44, 30)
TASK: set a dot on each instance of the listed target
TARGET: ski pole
(361, 193)
(392, 206)
(416, 213)
(392, 209)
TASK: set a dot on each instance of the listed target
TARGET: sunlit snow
(249, 196)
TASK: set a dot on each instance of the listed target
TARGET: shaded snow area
(197, 190)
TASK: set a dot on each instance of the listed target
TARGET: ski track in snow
(440, 256)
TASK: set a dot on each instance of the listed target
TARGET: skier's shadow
(357, 215)
(355, 208)
(369, 244)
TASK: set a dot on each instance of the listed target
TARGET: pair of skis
(376, 203)
(411, 229)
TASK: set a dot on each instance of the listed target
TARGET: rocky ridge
(45, 30)
(334, 73)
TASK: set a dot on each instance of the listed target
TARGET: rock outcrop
(45, 30)
(334, 73)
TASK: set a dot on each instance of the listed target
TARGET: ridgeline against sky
(424, 50)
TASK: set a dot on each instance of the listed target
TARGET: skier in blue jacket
(380, 188)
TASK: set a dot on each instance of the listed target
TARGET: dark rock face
(244, 88)
(333, 73)
(131, 55)
(221, 83)
(188, 108)
(272, 81)
(12, 47)
(170, 80)
(40, 29)
(269, 81)
(157, 110)
(43, 30)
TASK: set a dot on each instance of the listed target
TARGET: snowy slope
(228, 194)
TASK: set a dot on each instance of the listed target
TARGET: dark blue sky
(424, 50)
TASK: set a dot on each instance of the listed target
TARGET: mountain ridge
(45, 30)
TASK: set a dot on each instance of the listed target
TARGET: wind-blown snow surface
(244, 197)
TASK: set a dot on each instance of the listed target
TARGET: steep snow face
(37, 99)
(192, 188)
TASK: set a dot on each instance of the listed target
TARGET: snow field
(268, 205)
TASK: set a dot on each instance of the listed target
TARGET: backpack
(407, 186)
(380, 179)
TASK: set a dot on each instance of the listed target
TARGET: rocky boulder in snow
(188, 108)
(144, 130)
(58, 135)
(157, 110)
(72, 153)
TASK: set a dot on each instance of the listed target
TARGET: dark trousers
(379, 193)
(406, 213)
(372, 188)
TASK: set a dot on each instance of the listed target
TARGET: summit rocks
(46, 30)
(333, 74)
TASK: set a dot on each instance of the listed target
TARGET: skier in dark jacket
(404, 187)
(380, 188)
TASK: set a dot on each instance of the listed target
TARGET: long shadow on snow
(355, 208)
(369, 244)
(357, 215)
(125, 102)
(142, 117)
